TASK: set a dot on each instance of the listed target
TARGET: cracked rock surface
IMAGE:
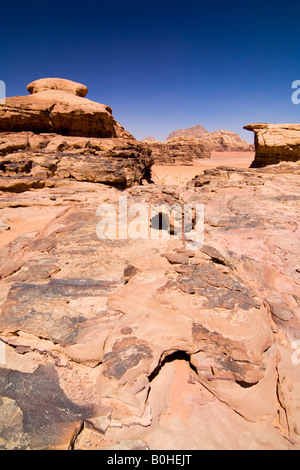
(126, 342)
(146, 343)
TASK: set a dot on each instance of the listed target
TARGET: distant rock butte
(275, 143)
(225, 141)
(180, 150)
(219, 141)
(150, 139)
(57, 133)
(195, 131)
(185, 145)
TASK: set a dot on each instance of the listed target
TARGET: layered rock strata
(143, 343)
(177, 151)
(218, 141)
(118, 341)
(275, 143)
(55, 132)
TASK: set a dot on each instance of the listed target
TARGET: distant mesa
(150, 139)
(218, 141)
(195, 131)
(179, 150)
(183, 146)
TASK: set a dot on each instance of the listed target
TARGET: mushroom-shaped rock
(58, 106)
(275, 143)
(61, 84)
(55, 132)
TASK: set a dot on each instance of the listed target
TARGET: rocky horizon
(183, 146)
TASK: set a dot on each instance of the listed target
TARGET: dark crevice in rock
(244, 384)
(174, 356)
(75, 436)
(281, 404)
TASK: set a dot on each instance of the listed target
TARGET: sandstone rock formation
(219, 141)
(123, 343)
(126, 342)
(275, 143)
(177, 151)
(56, 133)
(195, 131)
(225, 141)
(45, 84)
(150, 139)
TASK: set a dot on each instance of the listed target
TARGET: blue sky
(161, 65)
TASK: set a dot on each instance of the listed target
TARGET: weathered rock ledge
(57, 133)
(129, 342)
(145, 344)
(275, 143)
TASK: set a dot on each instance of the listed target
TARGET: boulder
(45, 84)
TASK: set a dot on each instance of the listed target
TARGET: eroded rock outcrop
(218, 141)
(275, 143)
(177, 151)
(144, 342)
(225, 141)
(55, 132)
(128, 342)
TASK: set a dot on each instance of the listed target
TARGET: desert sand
(179, 175)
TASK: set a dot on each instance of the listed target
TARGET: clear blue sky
(161, 65)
